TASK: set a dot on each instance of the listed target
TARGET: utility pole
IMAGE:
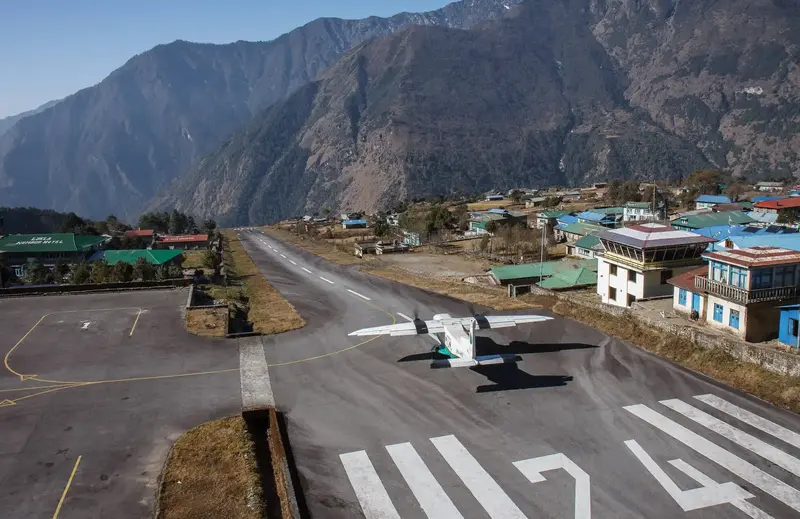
(541, 256)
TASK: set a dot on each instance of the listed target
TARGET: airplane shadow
(509, 377)
(488, 346)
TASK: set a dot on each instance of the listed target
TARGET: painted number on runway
(431, 496)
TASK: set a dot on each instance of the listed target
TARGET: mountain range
(111, 147)
(7, 122)
(481, 94)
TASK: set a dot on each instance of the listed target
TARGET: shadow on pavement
(508, 377)
(488, 346)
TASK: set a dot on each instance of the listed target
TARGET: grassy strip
(267, 309)
(495, 298)
(320, 247)
(207, 322)
(780, 390)
(193, 259)
(211, 472)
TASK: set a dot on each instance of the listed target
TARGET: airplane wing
(410, 328)
(487, 322)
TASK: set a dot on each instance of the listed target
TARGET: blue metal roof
(498, 211)
(719, 232)
(355, 222)
(713, 199)
(784, 241)
(592, 216)
(768, 218)
(567, 218)
(757, 199)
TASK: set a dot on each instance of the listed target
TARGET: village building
(741, 291)
(637, 261)
(48, 250)
(769, 186)
(709, 201)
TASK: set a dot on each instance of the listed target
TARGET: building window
(18, 271)
(784, 276)
(682, 297)
(718, 312)
(612, 293)
(665, 275)
(738, 277)
(719, 272)
(632, 275)
(762, 278)
(631, 299)
(612, 269)
(733, 320)
(793, 327)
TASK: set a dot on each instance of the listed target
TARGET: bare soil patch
(207, 322)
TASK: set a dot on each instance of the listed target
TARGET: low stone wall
(95, 287)
(768, 358)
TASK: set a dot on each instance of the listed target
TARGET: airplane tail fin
(483, 360)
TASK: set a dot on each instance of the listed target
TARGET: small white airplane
(456, 336)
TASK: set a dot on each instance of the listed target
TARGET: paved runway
(95, 389)
(584, 426)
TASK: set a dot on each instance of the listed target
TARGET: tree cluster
(175, 223)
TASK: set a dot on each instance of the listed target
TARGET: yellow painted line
(134, 322)
(8, 354)
(66, 488)
(31, 388)
(139, 379)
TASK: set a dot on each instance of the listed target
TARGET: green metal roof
(64, 242)
(546, 269)
(552, 214)
(587, 242)
(569, 279)
(156, 257)
(699, 221)
(637, 205)
(581, 228)
(608, 210)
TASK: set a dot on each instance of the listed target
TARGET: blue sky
(52, 48)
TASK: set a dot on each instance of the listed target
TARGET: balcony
(742, 296)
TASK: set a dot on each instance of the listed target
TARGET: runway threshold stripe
(745, 470)
(359, 295)
(485, 489)
(748, 441)
(370, 492)
(404, 316)
(751, 419)
(429, 493)
(327, 280)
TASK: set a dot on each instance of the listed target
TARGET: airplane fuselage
(457, 341)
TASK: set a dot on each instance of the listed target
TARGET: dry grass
(207, 322)
(485, 206)
(193, 259)
(781, 390)
(212, 473)
(342, 255)
(495, 298)
(267, 309)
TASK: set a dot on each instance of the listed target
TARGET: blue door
(696, 302)
(734, 319)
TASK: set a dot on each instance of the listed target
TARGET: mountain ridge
(111, 147)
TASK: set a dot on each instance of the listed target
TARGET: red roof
(686, 280)
(189, 238)
(783, 203)
(140, 232)
(756, 256)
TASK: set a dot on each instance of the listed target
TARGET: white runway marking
(327, 280)
(762, 424)
(359, 295)
(533, 468)
(282, 256)
(485, 489)
(430, 494)
(404, 316)
(733, 434)
(85, 325)
(741, 504)
(371, 494)
(292, 262)
(745, 470)
(306, 270)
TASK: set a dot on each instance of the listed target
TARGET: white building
(741, 291)
(769, 186)
(637, 261)
(642, 212)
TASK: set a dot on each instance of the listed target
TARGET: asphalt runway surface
(584, 426)
(93, 391)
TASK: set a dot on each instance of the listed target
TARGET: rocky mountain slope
(7, 122)
(109, 148)
(564, 93)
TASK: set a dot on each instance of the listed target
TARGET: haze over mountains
(109, 148)
(357, 114)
